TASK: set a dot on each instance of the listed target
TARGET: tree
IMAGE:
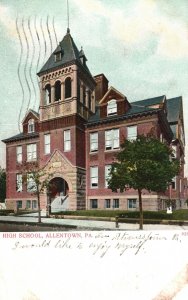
(2, 185)
(37, 180)
(143, 164)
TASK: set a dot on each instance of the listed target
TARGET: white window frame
(94, 177)
(94, 142)
(47, 140)
(58, 56)
(28, 204)
(131, 201)
(19, 204)
(112, 107)
(91, 203)
(31, 126)
(31, 185)
(174, 148)
(107, 203)
(19, 154)
(112, 139)
(19, 183)
(107, 176)
(32, 152)
(67, 140)
(132, 133)
(175, 183)
(34, 204)
(115, 203)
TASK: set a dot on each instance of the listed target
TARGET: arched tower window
(89, 99)
(84, 95)
(47, 94)
(78, 90)
(68, 87)
(112, 108)
(58, 90)
(31, 126)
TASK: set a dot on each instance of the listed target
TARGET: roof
(133, 111)
(36, 114)
(21, 136)
(174, 106)
(70, 53)
(150, 101)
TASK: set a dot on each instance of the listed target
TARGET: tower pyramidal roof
(69, 54)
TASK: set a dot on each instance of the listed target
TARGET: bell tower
(66, 102)
(66, 84)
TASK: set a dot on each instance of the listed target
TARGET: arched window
(84, 95)
(58, 90)
(89, 99)
(47, 94)
(31, 126)
(112, 108)
(78, 91)
(68, 88)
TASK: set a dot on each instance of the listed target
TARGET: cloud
(7, 20)
(144, 21)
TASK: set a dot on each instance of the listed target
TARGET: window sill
(93, 152)
(112, 150)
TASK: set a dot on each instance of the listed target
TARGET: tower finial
(68, 29)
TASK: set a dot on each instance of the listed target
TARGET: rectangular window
(31, 185)
(132, 133)
(94, 142)
(34, 204)
(57, 56)
(112, 139)
(115, 203)
(19, 154)
(174, 183)
(67, 140)
(19, 204)
(19, 183)
(94, 177)
(47, 143)
(107, 203)
(28, 204)
(107, 176)
(174, 148)
(93, 203)
(31, 152)
(131, 203)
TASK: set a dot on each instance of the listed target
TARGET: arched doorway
(58, 194)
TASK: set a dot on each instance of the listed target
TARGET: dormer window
(58, 56)
(31, 126)
(112, 108)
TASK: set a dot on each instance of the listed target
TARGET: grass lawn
(160, 215)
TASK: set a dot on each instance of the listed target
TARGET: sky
(140, 45)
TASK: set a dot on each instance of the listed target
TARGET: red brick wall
(103, 157)
(14, 168)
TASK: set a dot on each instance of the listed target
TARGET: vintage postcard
(93, 157)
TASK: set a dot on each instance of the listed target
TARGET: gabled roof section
(137, 108)
(150, 101)
(112, 93)
(20, 137)
(174, 106)
(69, 54)
(32, 113)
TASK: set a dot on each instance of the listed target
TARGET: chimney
(101, 87)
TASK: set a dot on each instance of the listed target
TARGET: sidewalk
(87, 224)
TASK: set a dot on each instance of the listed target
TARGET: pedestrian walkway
(87, 224)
